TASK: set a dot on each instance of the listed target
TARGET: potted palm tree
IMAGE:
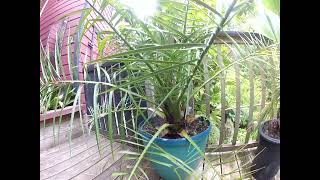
(161, 56)
(267, 162)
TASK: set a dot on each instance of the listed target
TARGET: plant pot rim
(179, 141)
(265, 136)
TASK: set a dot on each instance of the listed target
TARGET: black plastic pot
(89, 95)
(267, 162)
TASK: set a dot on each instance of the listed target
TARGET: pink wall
(49, 24)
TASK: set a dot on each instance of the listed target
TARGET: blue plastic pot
(181, 149)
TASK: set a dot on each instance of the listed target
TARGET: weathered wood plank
(191, 101)
(273, 82)
(50, 138)
(59, 168)
(46, 128)
(60, 139)
(213, 171)
(99, 166)
(238, 103)
(263, 93)
(230, 168)
(190, 104)
(80, 163)
(263, 86)
(229, 147)
(244, 159)
(51, 159)
(238, 165)
(150, 95)
(62, 147)
(223, 95)
(92, 167)
(251, 108)
(115, 167)
(49, 131)
(230, 37)
(207, 86)
(123, 164)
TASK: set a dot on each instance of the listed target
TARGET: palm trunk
(173, 113)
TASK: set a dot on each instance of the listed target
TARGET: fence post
(251, 108)
(207, 86)
(223, 96)
(238, 101)
(263, 93)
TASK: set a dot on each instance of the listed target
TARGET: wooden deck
(81, 159)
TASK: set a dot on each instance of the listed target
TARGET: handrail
(240, 37)
(229, 37)
(230, 147)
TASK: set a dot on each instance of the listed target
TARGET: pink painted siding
(49, 25)
(42, 2)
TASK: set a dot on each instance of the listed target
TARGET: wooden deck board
(50, 138)
(85, 157)
(229, 164)
(48, 131)
(63, 139)
(83, 140)
(212, 173)
(151, 174)
(107, 172)
(85, 163)
(65, 121)
(122, 165)
(244, 161)
(198, 174)
(64, 129)
(68, 152)
(98, 166)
